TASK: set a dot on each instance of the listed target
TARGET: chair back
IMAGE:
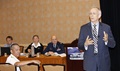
(21, 49)
(53, 67)
(6, 67)
(30, 67)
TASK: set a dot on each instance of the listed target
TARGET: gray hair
(99, 10)
(12, 46)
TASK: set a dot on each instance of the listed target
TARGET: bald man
(94, 39)
(13, 58)
(54, 47)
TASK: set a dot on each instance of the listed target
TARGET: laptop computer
(4, 50)
(74, 53)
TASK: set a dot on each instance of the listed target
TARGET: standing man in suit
(94, 39)
(54, 47)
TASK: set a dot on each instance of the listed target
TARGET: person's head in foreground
(15, 53)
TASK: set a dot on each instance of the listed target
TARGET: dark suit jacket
(102, 59)
(59, 48)
(39, 49)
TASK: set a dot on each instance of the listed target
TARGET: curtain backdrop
(111, 16)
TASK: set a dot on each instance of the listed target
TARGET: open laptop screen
(4, 50)
(74, 53)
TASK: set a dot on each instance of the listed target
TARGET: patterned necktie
(95, 39)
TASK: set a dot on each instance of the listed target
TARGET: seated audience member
(54, 47)
(38, 47)
(13, 58)
(9, 41)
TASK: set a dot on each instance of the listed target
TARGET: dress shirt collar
(33, 44)
(97, 24)
(12, 56)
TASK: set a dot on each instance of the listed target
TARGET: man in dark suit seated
(54, 47)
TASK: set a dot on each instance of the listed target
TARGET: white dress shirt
(12, 60)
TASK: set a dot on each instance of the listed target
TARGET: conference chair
(53, 67)
(30, 67)
(6, 67)
(21, 49)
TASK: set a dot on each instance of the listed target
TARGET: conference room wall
(24, 18)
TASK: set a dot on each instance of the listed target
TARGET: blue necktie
(54, 45)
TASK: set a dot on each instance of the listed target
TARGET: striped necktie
(95, 39)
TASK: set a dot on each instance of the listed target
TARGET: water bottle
(32, 51)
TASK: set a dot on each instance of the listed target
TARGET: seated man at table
(13, 58)
(54, 47)
(9, 41)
